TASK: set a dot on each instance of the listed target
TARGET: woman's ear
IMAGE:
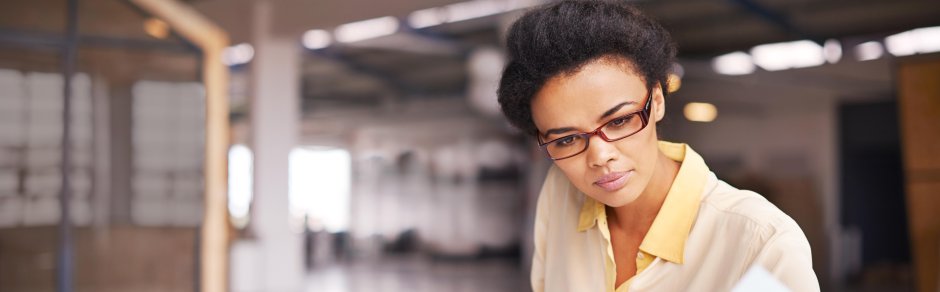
(659, 103)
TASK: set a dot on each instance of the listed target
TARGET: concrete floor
(417, 273)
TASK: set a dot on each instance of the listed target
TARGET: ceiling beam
(40, 40)
(337, 54)
(773, 17)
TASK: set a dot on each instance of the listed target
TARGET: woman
(620, 210)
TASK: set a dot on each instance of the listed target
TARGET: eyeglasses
(613, 130)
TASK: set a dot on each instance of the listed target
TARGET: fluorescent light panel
(915, 41)
(869, 51)
(473, 9)
(736, 63)
(366, 29)
(780, 56)
(427, 17)
(464, 11)
(316, 39)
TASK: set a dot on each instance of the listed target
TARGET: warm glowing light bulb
(700, 112)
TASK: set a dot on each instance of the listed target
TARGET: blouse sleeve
(787, 256)
(537, 277)
(554, 180)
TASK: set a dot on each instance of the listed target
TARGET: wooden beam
(212, 40)
(919, 107)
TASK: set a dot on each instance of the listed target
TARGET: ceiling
(431, 62)
(113, 41)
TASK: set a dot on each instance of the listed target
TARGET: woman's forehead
(591, 91)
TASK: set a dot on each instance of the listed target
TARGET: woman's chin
(618, 199)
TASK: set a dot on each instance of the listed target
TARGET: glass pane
(137, 142)
(147, 82)
(30, 177)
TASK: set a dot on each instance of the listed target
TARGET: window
(320, 187)
(240, 184)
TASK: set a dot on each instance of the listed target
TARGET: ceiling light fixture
(736, 63)
(675, 82)
(156, 28)
(700, 112)
(832, 51)
(464, 11)
(238, 54)
(427, 17)
(366, 29)
(921, 40)
(316, 39)
(474, 9)
(780, 56)
(869, 51)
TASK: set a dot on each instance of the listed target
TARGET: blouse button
(639, 255)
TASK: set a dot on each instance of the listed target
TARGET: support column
(275, 115)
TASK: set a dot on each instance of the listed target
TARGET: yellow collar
(667, 236)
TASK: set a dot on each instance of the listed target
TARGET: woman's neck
(637, 217)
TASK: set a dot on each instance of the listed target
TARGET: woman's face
(613, 173)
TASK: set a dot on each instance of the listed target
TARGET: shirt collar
(667, 236)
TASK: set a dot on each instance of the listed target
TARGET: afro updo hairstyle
(558, 39)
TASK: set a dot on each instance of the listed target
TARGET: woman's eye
(566, 141)
(620, 121)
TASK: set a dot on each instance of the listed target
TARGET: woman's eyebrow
(557, 131)
(614, 110)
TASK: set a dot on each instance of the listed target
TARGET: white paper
(759, 279)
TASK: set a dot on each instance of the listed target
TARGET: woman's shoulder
(746, 208)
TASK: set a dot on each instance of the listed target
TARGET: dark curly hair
(560, 38)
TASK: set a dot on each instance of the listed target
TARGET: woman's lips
(613, 181)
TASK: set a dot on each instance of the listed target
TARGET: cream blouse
(705, 237)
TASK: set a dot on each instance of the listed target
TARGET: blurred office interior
(299, 145)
